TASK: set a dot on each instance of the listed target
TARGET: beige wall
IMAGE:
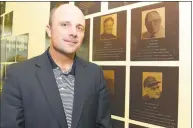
(32, 17)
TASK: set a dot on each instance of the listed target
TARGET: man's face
(153, 22)
(154, 91)
(67, 30)
(108, 27)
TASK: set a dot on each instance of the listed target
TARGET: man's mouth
(70, 41)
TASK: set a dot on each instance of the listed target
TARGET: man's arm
(103, 113)
(11, 115)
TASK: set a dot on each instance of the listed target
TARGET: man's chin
(66, 51)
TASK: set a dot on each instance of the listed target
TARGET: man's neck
(64, 61)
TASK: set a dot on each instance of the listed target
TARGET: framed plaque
(118, 124)
(115, 4)
(109, 37)
(115, 79)
(83, 51)
(154, 95)
(155, 32)
(2, 7)
(8, 24)
(22, 47)
(89, 7)
(10, 49)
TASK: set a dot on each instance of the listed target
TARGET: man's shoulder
(145, 35)
(22, 66)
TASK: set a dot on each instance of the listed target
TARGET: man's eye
(64, 25)
(80, 29)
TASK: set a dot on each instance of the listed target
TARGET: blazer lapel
(46, 78)
(79, 91)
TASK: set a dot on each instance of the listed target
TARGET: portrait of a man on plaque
(155, 32)
(108, 27)
(151, 85)
(154, 91)
(153, 23)
(109, 77)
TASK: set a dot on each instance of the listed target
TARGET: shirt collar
(54, 65)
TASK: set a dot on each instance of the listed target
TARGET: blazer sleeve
(12, 112)
(103, 113)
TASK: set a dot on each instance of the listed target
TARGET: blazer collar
(43, 60)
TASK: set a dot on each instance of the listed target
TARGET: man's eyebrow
(81, 25)
(64, 22)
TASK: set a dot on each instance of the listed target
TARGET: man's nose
(73, 32)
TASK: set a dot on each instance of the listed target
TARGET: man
(153, 24)
(108, 29)
(57, 89)
(152, 88)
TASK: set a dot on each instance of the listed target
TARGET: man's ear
(48, 30)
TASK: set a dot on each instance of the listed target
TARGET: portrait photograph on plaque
(115, 4)
(83, 51)
(89, 7)
(22, 47)
(2, 7)
(135, 126)
(154, 95)
(3, 50)
(8, 24)
(155, 32)
(1, 26)
(118, 124)
(54, 4)
(109, 37)
(10, 49)
(115, 79)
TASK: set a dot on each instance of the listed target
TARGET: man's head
(153, 22)
(108, 25)
(152, 87)
(66, 28)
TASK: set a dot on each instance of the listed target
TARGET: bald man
(57, 89)
(153, 25)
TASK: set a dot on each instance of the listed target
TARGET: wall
(32, 17)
